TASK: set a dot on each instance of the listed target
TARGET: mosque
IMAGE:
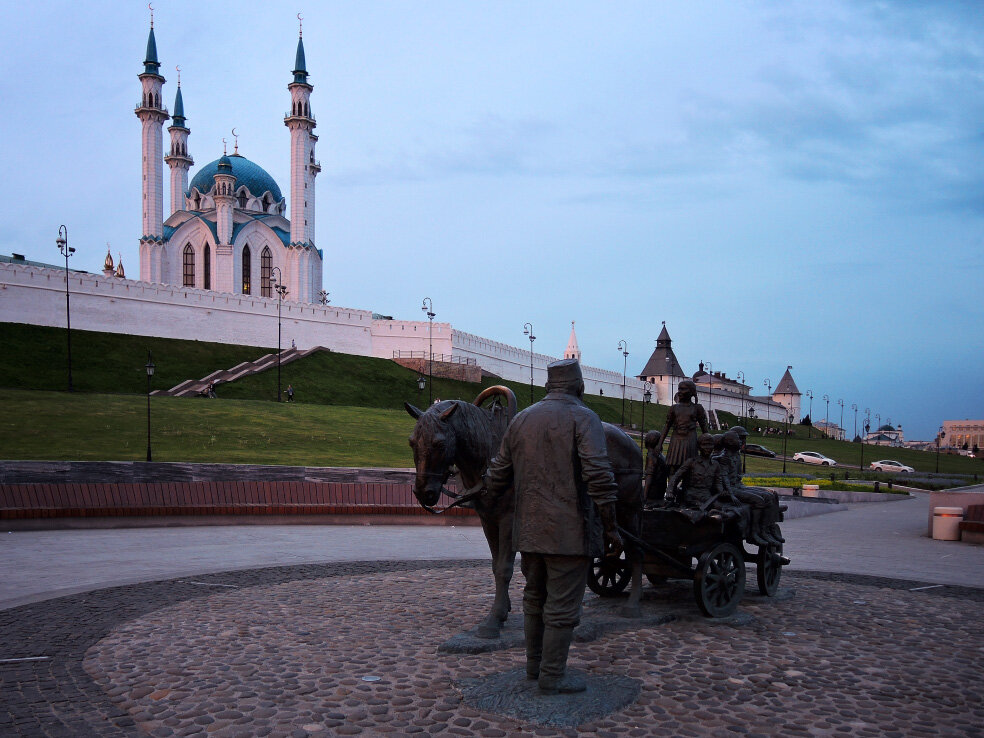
(227, 230)
(227, 265)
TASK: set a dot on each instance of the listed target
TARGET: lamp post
(877, 421)
(768, 386)
(323, 297)
(281, 290)
(854, 407)
(647, 395)
(826, 419)
(66, 250)
(149, 366)
(785, 438)
(864, 429)
(428, 307)
(809, 428)
(841, 426)
(710, 389)
(421, 383)
(939, 439)
(741, 378)
(624, 348)
(528, 331)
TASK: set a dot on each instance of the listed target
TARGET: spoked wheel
(719, 583)
(768, 569)
(610, 575)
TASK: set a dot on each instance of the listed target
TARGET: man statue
(654, 482)
(761, 502)
(704, 480)
(554, 455)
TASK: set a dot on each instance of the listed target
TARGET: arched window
(242, 199)
(246, 270)
(266, 272)
(207, 267)
(188, 266)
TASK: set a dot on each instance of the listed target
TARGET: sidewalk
(878, 539)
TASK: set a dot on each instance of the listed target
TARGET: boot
(771, 527)
(533, 628)
(553, 672)
(755, 528)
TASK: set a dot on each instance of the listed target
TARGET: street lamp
(741, 378)
(785, 438)
(826, 420)
(809, 428)
(428, 307)
(841, 403)
(528, 331)
(149, 366)
(624, 348)
(865, 428)
(939, 438)
(281, 290)
(323, 297)
(421, 383)
(710, 389)
(854, 407)
(647, 395)
(768, 386)
(66, 250)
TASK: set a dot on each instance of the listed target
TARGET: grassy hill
(348, 409)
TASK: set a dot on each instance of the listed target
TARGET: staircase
(195, 387)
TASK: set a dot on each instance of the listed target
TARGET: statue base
(511, 693)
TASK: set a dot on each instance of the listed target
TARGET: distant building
(886, 435)
(831, 430)
(963, 432)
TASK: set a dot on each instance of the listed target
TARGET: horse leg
(503, 560)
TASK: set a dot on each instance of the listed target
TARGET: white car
(890, 466)
(812, 457)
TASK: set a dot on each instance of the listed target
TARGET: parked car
(887, 465)
(812, 457)
(755, 450)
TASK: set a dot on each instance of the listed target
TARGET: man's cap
(564, 371)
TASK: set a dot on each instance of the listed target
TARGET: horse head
(434, 445)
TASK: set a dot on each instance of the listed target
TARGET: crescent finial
(236, 135)
(178, 70)
(224, 151)
(300, 25)
(151, 6)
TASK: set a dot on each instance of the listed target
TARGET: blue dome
(249, 175)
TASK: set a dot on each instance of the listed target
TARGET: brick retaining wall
(50, 490)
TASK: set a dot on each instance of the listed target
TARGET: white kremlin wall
(36, 295)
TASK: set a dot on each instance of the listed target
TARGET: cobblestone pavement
(352, 649)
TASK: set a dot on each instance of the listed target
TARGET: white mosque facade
(209, 271)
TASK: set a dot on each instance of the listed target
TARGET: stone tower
(303, 261)
(178, 157)
(788, 395)
(152, 115)
(663, 369)
(572, 351)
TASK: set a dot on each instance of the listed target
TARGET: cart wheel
(769, 569)
(656, 580)
(720, 581)
(609, 575)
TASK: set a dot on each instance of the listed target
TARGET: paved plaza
(335, 630)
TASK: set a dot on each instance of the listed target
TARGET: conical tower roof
(663, 361)
(179, 109)
(151, 64)
(572, 351)
(300, 65)
(786, 385)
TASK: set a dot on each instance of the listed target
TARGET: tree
(806, 420)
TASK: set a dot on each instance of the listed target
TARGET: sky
(783, 183)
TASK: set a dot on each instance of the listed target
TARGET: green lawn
(91, 427)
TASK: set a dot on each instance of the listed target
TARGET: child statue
(684, 417)
(656, 470)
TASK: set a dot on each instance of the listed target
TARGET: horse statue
(455, 434)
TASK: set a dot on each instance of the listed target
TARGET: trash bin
(946, 523)
(811, 490)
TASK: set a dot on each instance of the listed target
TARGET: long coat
(684, 419)
(554, 454)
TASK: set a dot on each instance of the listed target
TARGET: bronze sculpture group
(557, 485)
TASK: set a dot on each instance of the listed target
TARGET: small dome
(249, 175)
(108, 264)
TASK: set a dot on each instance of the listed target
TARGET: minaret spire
(304, 264)
(152, 114)
(178, 157)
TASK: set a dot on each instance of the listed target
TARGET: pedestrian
(290, 393)
(293, 344)
(554, 456)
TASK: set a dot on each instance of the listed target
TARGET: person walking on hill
(290, 393)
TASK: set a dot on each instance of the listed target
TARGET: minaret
(178, 157)
(225, 200)
(305, 266)
(152, 115)
(572, 352)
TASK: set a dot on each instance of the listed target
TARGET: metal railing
(445, 358)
